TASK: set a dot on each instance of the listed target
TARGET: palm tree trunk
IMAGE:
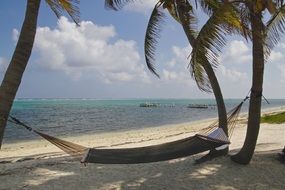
(16, 68)
(222, 113)
(208, 69)
(253, 125)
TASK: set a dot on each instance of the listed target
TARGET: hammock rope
(70, 148)
(232, 118)
(209, 138)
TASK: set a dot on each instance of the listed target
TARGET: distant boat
(198, 106)
(148, 104)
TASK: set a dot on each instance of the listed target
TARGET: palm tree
(182, 11)
(265, 35)
(20, 58)
(245, 18)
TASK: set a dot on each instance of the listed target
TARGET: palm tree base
(240, 159)
(211, 155)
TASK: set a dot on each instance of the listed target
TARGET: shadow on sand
(264, 172)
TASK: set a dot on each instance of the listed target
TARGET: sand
(39, 165)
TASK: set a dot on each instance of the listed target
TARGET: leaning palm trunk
(253, 125)
(16, 68)
(218, 96)
(222, 114)
(209, 71)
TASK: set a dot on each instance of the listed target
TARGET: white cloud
(142, 6)
(179, 63)
(275, 56)
(178, 77)
(3, 64)
(180, 56)
(15, 35)
(235, 61)
(232, 74)
(89, 49)
(3, 67)
(281, 45)
(238, 48)
(276, 60)
(237, 52)
(176, 71)
(168, 75)
(281, 67)
(230, 71)
(181, 53)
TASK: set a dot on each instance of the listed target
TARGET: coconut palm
(182, 11)
(264, 36)
(20, 58)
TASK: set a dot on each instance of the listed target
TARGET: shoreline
(38, 164)
(194, 124)
(126, 138)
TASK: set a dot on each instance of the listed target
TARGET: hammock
(212, 137)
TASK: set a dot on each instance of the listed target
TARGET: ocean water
(71, 117)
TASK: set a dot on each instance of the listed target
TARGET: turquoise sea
(71, 117)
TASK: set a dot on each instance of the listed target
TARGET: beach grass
(274, 118)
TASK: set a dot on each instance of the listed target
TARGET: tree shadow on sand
(264, 172)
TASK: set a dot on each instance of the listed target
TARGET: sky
(104, 57)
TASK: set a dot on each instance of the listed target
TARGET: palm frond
(274, 28)
(116, 4)
(198, 72)
(171, 8)
(186, 17)
(279, 3)
(152, 35)
(244, 17)
(236, 21)
(208, 6)
(208, 45)
(70, 6)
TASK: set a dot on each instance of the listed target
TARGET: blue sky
(103, 58)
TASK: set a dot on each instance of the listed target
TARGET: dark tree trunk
(253, 125)
(16, 68)
(222, 113)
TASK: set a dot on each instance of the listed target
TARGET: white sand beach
(40, 165)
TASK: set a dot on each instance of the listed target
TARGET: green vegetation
(275, 118)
